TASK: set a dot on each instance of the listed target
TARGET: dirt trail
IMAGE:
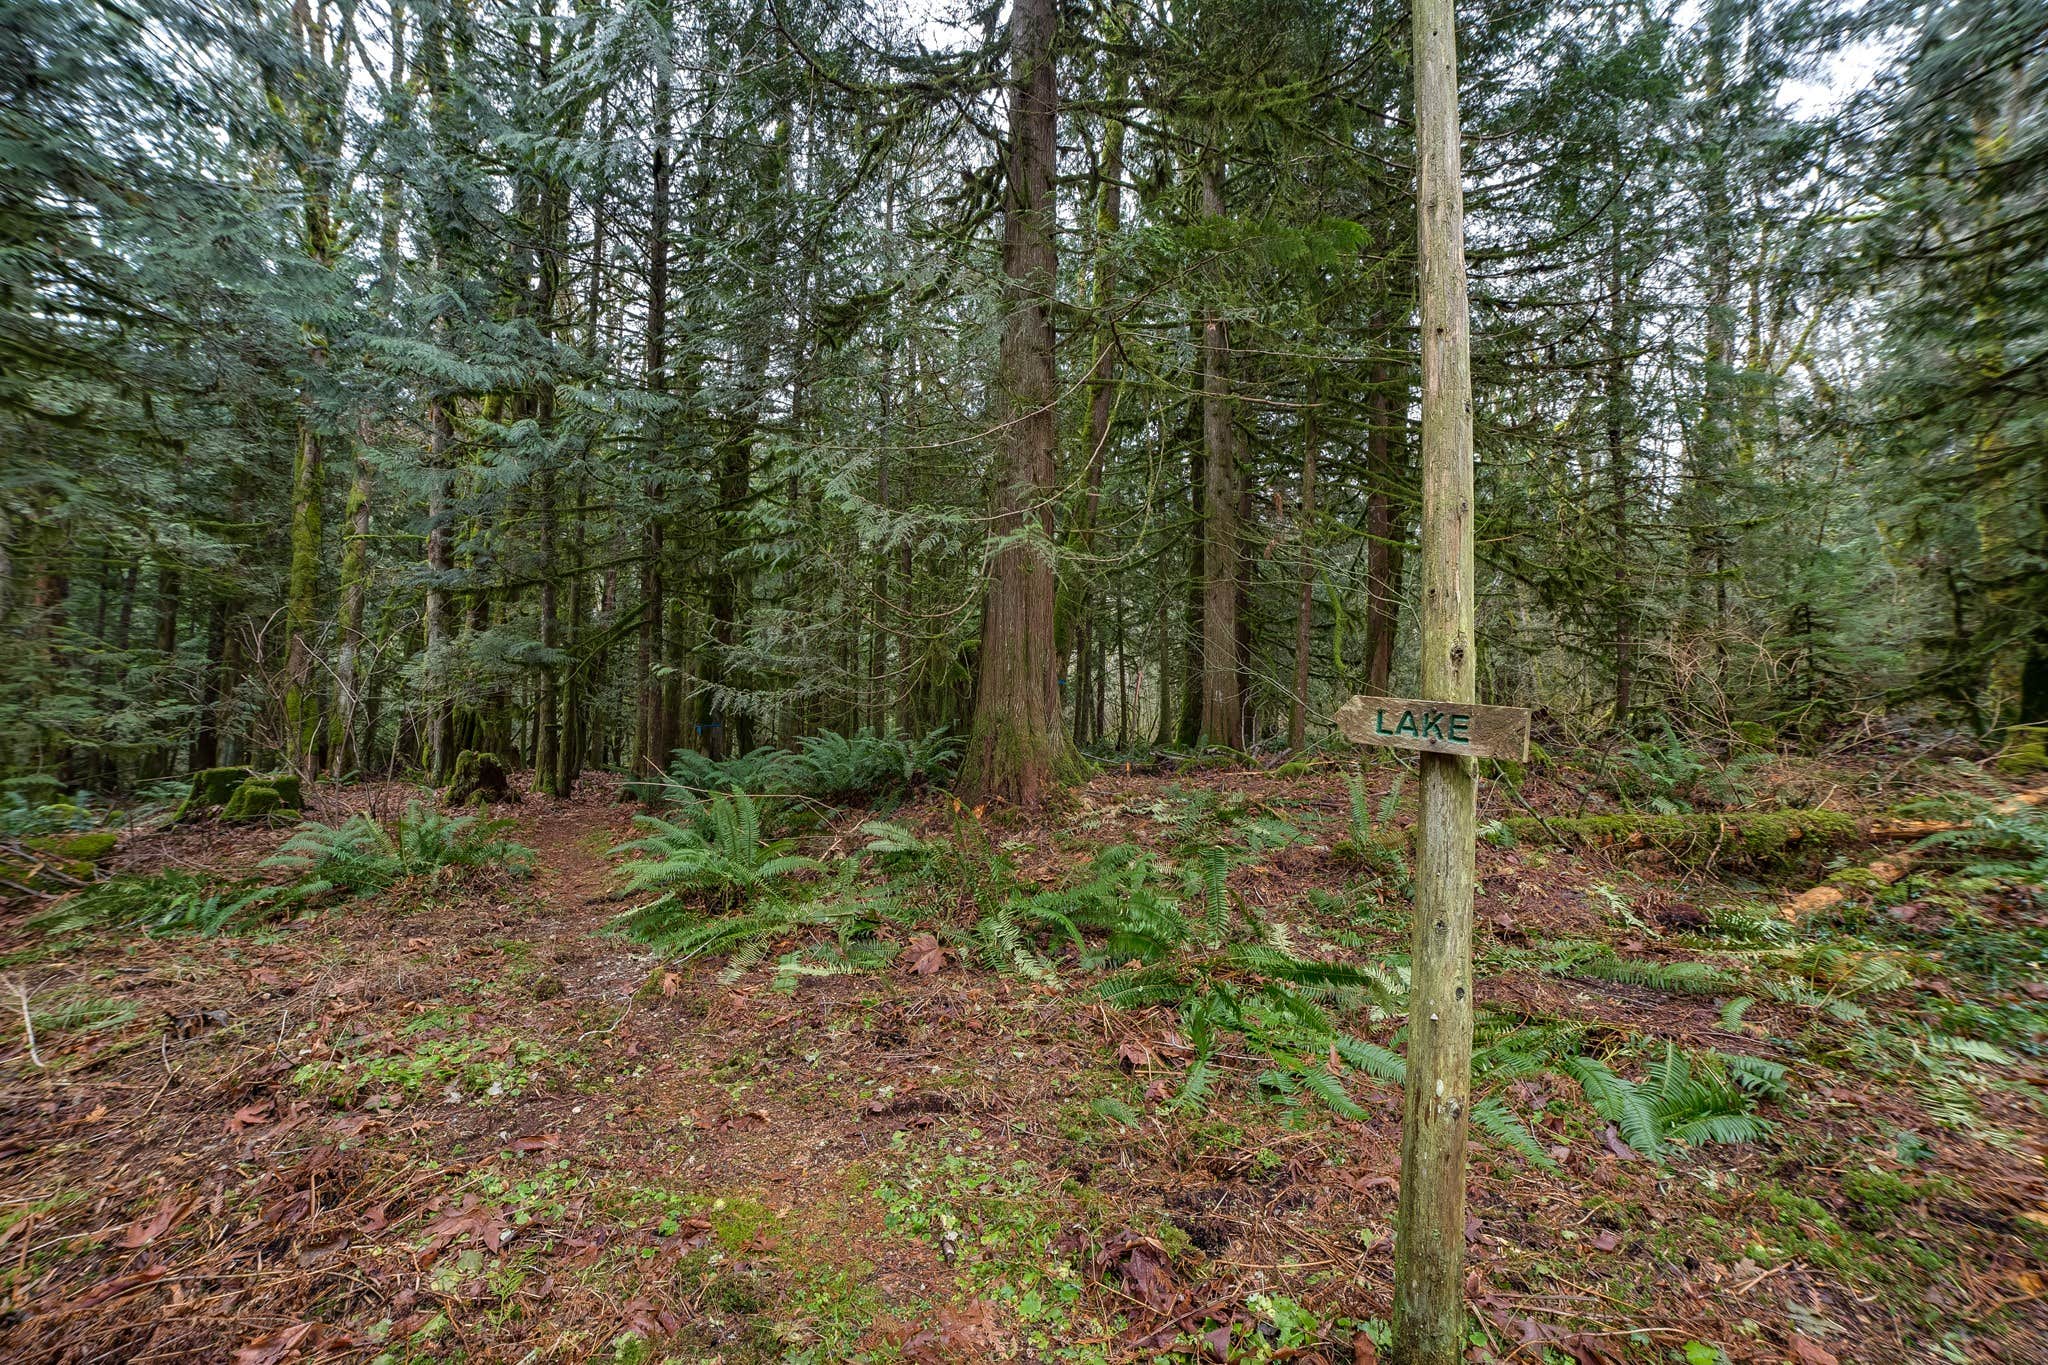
(572, 840)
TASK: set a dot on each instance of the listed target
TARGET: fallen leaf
(106, 1291)
(1136, 1052)
(928, 956)
(251, 1116)
(1807, 1353)
(1612, 1138)
(489, 1226)
(537, 1142)
(146, 1230)
(1142, 1265)
(1363, 1352)
(956, 1334)
(326, 1251)
(1606, 1241)
(650, 1319)
(693, 1233)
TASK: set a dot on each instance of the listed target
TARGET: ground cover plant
(1121, 1086)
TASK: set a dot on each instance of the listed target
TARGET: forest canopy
(588, 380)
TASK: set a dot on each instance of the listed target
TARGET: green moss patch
(1756, 838)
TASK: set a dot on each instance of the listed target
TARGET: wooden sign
(1437, 727)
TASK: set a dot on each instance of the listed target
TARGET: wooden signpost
(1437, 727)
(1429, 1226)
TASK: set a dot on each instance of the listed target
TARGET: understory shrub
(167, 903)
(828, 767)
(364, 854)
(722, 888)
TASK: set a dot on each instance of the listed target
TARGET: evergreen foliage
(364, 854)
(588, 386)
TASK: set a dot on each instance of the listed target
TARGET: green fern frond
(1492, 1117)
(1617, 1101)
(1380, 1063)
(1117, 1111)
(1695, 978)
(1330, 1091)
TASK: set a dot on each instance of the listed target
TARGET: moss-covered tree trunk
(1222, 696)
(1017, 747)
(439, 700)
(1304, 607)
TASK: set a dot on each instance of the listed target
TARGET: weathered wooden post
(1429, 1231)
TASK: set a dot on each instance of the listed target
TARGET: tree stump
(479, 777)
(211, 788)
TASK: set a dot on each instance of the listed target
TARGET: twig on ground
(28, 1024)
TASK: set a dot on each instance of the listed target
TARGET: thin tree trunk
(440, 564)
(206, 733)
(1222, 699)
(1304, 611)
(1102, 379)
(1619, 472)
(649, 726)
(1383, 548)
(344, 744)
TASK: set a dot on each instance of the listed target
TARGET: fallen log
(1749, 837)
(1889, 869)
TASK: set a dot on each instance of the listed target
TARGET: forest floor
(468, 1120)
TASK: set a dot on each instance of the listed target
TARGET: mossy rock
(1756, 838)
(1383, 852)
(289, 792)
(1754, 734)
(211, 788)
(252, 801)
(1872, 1200)
(2025, 752)
(478, 777)
(58, 862)
(76, 848)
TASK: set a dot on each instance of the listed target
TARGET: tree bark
(1017, 747)
(1222, 699)
(1383, 543)
(343, 742)
(649, 725)
(1304, 611)
(440, 564)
